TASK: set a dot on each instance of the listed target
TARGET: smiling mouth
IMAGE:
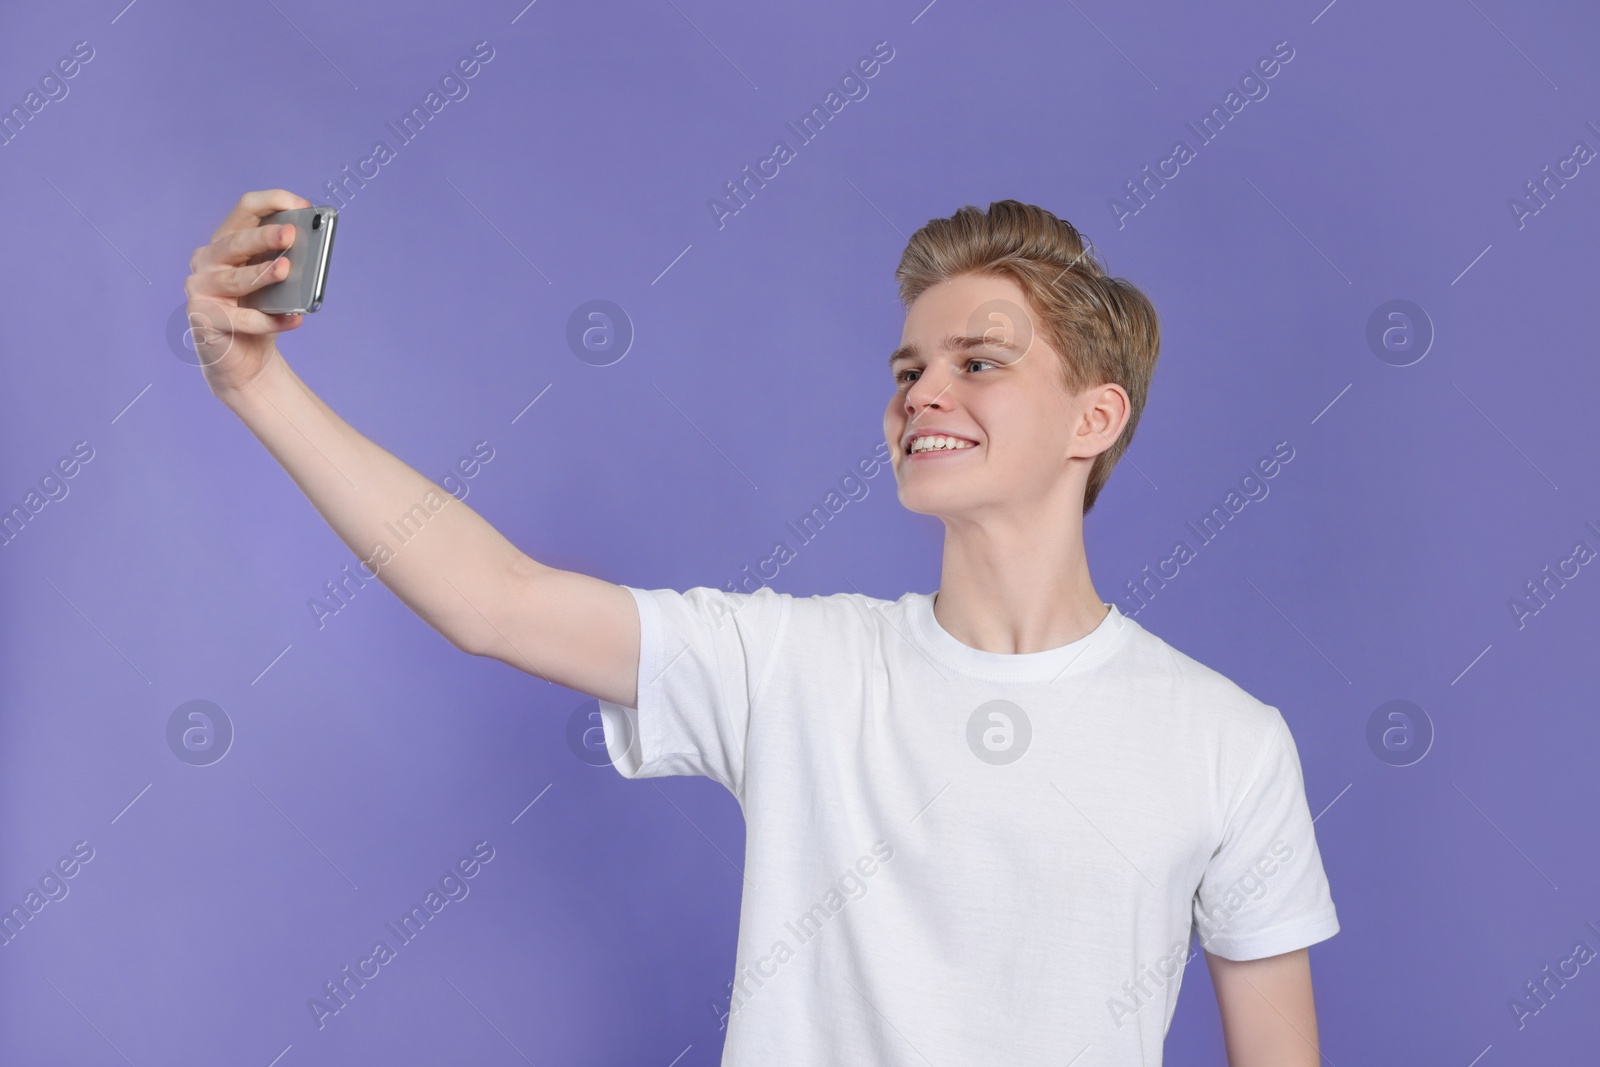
(938, 443)
(929, 452)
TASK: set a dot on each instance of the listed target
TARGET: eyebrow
(952, 343)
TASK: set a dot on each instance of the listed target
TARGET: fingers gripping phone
(301, 291)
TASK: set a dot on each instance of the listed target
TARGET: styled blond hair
(1105, 329)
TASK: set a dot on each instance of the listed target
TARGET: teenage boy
(983, 823)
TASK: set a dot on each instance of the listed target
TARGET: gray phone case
(301, 291)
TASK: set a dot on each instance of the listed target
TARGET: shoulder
(1201, 692)
(716, 607)
(770, 613)
(829, 618)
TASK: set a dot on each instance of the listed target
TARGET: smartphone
(301, 291)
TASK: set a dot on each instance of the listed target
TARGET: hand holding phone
(300, 291)
(236, 342)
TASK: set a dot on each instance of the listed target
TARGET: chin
(936, 503)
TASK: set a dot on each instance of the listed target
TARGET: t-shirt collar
(1046, 666)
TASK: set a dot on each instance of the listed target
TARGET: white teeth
(938, 442)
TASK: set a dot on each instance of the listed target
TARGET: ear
(1104, 413)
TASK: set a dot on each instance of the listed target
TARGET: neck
(1017, 583)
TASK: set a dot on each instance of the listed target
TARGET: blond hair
(1104, 328)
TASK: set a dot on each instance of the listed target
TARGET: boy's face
(973, 365)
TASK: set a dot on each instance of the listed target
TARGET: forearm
(441, 558)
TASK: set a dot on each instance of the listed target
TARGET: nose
(925, 393)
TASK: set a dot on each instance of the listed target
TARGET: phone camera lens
(316, 222)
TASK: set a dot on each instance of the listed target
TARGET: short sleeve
(703, 654)
(1264, 891)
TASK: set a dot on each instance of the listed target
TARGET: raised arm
(458, 573)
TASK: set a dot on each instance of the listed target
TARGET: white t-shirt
(966, 857)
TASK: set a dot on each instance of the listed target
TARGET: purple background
(1419, 501)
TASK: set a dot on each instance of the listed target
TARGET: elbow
(467, 631)
(476, 636)
(471, 644)
(490, 623)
